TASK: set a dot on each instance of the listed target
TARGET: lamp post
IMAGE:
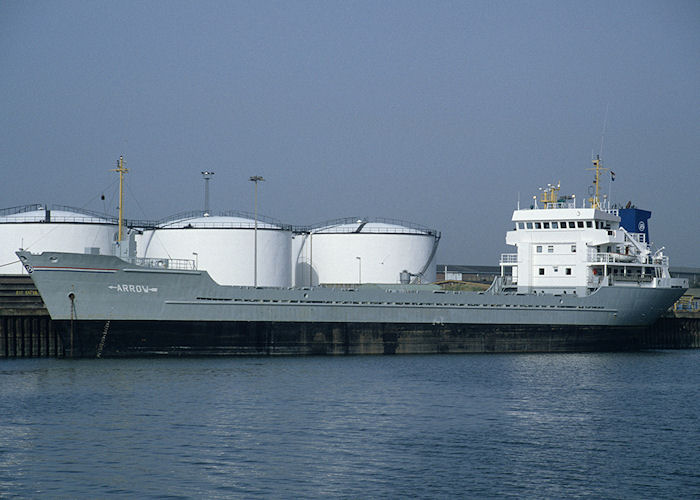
(359, 270)
(256, 179)
(206, 175)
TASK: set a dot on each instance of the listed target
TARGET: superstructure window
(589, 223)
(568, 271)
(539, 248)
(580, 223)
(541, 271)
(538, 225)
(550, 249)
(555, 225)
(572, 225)
(521, 225)
(563, 225)
(573, 248)
(529, 225)
(545, 225)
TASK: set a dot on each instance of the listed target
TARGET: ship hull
(216, 338)
(104, 306)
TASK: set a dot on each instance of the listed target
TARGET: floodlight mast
(206, 175)
(256, 179)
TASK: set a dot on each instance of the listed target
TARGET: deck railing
(609, 257)
(178, 264)
(509, 258)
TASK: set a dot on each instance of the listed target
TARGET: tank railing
(178, 264)
(378, 230)
(189, 214)
(330, 226)
(183, 216)
(90, 213)
(81, 219)
(140, 223)
(405, 227)
(221, 225)
(261, 218)
(85, 216)
(4, 212)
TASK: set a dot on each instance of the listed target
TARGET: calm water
(574, 425)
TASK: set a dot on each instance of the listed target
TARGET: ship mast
(550, 195)
(597, 166)
(122, 170)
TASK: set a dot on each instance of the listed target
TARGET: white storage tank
(352, 251)
(224, 246)
(61, 229)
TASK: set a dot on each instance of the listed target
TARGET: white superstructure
(224, 245)
(355, 251)
(563, 248)
(38, 228)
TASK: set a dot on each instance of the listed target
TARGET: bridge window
(580, 223)
(572, 225)
(538, 225)
(521, 225)
(555, 225)
(529, 225)
(545, 225)
(589, 223)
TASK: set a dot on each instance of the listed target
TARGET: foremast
(121, 169)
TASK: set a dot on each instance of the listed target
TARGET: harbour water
(623, 425)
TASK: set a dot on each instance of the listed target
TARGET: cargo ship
(584, 278)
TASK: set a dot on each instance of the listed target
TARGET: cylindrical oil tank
(37, 228)
(224, 246)
(352, 251)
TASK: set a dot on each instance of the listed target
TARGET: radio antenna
(605, 125)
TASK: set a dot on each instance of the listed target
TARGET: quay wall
(26, 330)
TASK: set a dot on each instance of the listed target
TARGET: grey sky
(439, 113)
